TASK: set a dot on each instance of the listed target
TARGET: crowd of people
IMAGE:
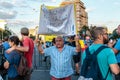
(61, 54)
(11, 47)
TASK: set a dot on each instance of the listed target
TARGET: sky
(22, 13)
(26, 13)
(103, 13)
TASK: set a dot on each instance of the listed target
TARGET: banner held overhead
(58, 21)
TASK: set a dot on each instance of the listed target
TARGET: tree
(83, 31)
(4, 33)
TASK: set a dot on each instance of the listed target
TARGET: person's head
(53, 41)
(87, 37)
(59, 42)
(118, 30)
(25, 31)
(6, 38)
(71, 38)
(100, 34)
(13, 41)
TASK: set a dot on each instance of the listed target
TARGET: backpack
(3, 71)
(1, 49)
(90, 68)
(22, 68)
(2, 57)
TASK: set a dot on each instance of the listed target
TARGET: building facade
(80, 13)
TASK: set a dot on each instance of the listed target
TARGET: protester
(13, 59)
(1, 47)
(61, 55)
(27, 48)
(36, 52)
(53, 42)
(5, 43)
(3, 71)
(116, 47)
(5, 47)
(88, 41)
(106, 58)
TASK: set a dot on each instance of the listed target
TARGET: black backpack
(2, 57)
(90, 69)
(3, 71)
(1, 49)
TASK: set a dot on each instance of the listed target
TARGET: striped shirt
(60, 61)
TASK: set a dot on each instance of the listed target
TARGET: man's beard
(106, 41)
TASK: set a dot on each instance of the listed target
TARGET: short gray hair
(25, 31)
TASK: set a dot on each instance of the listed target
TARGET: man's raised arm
(78, 46)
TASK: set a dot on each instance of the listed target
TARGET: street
(44, 75)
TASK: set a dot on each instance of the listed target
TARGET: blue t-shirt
(6, 45)
(13, 59)
(117, 46)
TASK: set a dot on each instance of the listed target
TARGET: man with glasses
(106, 58)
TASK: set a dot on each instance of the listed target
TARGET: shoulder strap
(100, 49)
(107, 73)
(97, 51)
(87, 51)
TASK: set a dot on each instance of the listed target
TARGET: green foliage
(4, 33)
(85, 28)
(83, 31)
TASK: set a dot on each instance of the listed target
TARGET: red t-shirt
(27, 42)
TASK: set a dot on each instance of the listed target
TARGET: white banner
(59, 21)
